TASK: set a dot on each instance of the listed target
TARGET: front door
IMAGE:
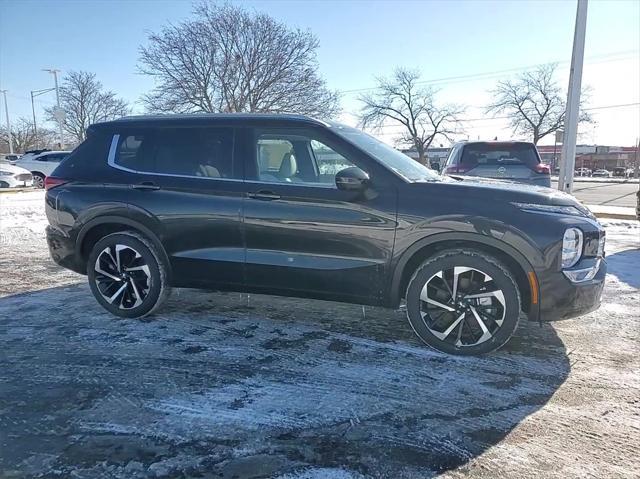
(304, 236)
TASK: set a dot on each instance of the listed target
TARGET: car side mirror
(352, 179)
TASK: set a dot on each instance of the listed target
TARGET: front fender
(525, 255)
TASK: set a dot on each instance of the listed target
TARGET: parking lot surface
(230, 385)
(607, 194)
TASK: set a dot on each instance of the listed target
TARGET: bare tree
(533, 102)
(84, 101)
(227, 59)
(401, 100)
(25, 138)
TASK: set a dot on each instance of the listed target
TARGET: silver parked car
(505, 160)
(41, 164)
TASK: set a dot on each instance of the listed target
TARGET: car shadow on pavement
(224, 385)
(623, 265)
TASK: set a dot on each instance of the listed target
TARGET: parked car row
(618, 172)
(37, 163)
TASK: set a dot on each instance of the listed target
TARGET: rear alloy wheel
(38, 180)
(463, 302)
(127, 275)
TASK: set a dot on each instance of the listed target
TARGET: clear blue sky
(358, 39)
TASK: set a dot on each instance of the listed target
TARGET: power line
(453, 79)
(611, 106)
(493, 118)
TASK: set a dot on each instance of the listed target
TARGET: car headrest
(288, 167)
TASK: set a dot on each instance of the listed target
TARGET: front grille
(24, 177)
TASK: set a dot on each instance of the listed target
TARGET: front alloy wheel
(463, 302)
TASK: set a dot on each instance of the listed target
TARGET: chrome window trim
(111, 161)
(282, 183)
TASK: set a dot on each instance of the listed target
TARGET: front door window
(298, 159)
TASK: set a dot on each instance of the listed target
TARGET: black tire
(432, 322)
(38, 180)
(150, 286)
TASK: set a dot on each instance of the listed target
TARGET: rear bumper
(563, 299)
(62, 250)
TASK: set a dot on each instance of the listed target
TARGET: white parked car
(42, 164)
(12, 176)
(601, 174)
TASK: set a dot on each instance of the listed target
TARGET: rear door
(508, 161)
(185, 182)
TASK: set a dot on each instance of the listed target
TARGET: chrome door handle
(264, 196)
(145, 185)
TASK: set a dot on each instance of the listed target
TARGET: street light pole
(568, 160)
(6, 114)
(35, 129)
(58, 115)
(35, 93)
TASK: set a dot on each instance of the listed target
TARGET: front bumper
(17, 181)
(561, 298)
(62, 250)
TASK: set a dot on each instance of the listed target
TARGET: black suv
(292, 206)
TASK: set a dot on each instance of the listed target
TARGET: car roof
(207, 118)
(28, 156)
(495, 142)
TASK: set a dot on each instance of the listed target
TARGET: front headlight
(571, 247)
(549, 209)
(5, 173)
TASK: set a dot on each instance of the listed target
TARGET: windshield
(396, 161)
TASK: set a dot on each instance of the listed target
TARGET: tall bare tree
(228, 59)
(84, 101)
(533, 102)
(24, 137)
(402, 101)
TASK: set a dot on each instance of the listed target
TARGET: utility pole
(568, 161)
(58, 114)
(636, 166)
(6, 114)
(35, 93)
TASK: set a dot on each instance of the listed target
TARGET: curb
(616, 216)
(17, 190)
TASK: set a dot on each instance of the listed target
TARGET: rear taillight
(52, 182)
(542, 169)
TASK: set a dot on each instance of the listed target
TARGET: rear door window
(190, 152)
(134, 151)
(199, 152)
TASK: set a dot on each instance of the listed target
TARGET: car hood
(16, 170)
(486, 189)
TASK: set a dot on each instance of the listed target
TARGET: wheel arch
(423, 249)
(99, 227)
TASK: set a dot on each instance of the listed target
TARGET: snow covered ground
(223, 385)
